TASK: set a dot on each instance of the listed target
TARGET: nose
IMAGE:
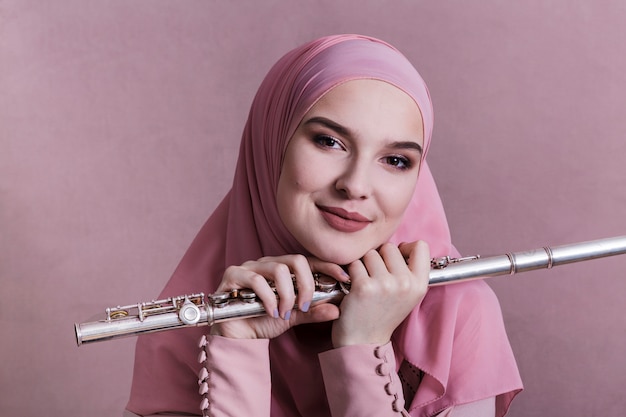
(355, 181)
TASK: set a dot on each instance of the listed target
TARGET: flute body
(200, 310)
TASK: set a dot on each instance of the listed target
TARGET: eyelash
(406, 162)
(398, 162)
(324, 140)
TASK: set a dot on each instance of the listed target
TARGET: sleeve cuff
(235, 378)
(362, 380)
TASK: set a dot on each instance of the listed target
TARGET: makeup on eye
(401, 162)
(398, 161)
(327, 141)
(345, 132)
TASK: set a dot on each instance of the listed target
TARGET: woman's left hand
(386, 285)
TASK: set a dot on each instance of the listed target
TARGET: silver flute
(200, 310)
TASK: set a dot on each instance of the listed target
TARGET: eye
(399, 162)
(326, 141)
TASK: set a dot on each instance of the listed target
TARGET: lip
(343, 220)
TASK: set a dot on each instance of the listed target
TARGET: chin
(340, 256)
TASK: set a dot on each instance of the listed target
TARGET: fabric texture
(456, 336)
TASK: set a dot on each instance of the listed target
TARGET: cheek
(292, 184)
(290, 181)
(397, 198)
(303, 172)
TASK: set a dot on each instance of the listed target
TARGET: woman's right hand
(281, 315)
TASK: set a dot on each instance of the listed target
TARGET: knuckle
(300, 260)
(280, 269)
(388, 246)
(423, 247)
(248, 264)
(257, 279)
(370, 253)
(231, 271)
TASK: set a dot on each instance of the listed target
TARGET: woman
(331, 179)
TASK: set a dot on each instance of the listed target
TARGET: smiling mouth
(342, 220)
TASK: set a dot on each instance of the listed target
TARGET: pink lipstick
(342, 220)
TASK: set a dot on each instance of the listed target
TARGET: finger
(280, 275)
(406, 248)
(329, 269)
(303, 280)
(317, 314)
(418, 258)
(417, 254)
(374, 264)
(238, 277)
(393, 258)
(315, 265)
(359, 276)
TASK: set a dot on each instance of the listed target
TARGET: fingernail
(287, 315)
(305, 306)
(275, 313)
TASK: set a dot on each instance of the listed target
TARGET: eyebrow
(344, 131)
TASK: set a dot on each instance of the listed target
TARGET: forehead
(371, 105)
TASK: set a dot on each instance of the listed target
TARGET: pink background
(120, 122)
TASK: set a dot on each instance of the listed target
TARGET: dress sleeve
(361, 380)
(235, 379)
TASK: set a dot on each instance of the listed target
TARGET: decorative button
(203, 375)
(380, 352)
(389, 388)
(202, 342)
(398, 404)
(202, 356)
(204, 405)
(382, 369)
(204, 388)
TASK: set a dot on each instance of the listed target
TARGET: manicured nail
(275, 313)
(305, 306)
(287, 315)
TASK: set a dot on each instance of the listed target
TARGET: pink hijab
(458, 366)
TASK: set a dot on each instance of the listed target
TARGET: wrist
(351, 339)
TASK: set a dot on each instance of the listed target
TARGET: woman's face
(350, 170)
